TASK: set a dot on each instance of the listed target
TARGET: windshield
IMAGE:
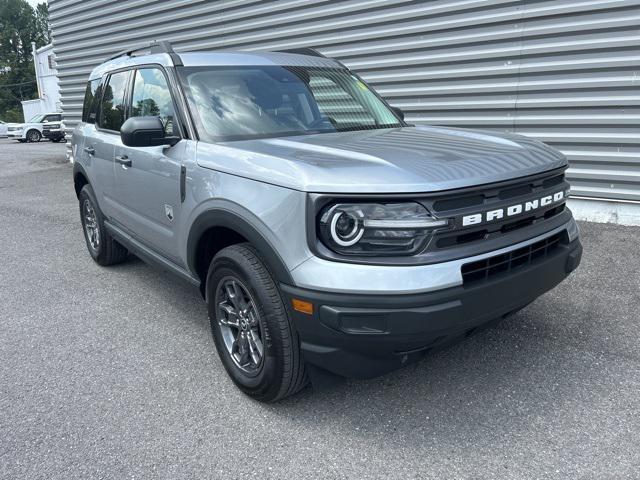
(237, 103)
(36, 118)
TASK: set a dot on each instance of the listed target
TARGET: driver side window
(114, 102)
(152, 98)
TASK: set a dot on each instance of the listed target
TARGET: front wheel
(251, 327)
(33, 136)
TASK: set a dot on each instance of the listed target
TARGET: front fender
(235, 218)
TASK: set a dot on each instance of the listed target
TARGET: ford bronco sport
(325, 233)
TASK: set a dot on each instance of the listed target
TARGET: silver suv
(326, 234)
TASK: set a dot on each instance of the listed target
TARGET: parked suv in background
(32, 131)
(54, 131)
(324, 232)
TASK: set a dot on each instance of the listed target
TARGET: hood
(398, 160)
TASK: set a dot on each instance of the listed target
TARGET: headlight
(377, 228)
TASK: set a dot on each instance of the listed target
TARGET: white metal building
(564, 71)
(47, 79)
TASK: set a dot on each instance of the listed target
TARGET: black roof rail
(154, 47)
(310, 51)
(303, 51)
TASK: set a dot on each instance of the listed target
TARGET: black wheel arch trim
(220, 217)
(79, 169)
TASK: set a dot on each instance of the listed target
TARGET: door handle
(123, 160)
(90, 150)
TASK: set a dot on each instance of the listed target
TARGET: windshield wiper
(367, 127)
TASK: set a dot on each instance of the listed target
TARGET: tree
(42, 24)
(147, 107)
(20, 25)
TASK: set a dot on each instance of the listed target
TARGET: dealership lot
(112, 373)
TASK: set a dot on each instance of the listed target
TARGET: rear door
(148, 178)
(100, 146)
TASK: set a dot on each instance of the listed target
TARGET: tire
(106, 251)
(33, 136)
(280, 372)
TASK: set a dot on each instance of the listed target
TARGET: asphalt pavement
(112, 372)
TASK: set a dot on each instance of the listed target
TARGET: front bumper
(364, 335)
(56, 134)
(15, 134)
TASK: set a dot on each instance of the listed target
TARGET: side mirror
(399, 113)
(145, 132)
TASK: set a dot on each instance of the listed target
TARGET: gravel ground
(18, 158)
(112, 373)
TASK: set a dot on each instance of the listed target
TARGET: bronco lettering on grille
(513, 210)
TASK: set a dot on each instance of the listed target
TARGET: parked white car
(3, 129)
(31, 131)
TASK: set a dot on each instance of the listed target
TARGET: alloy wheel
(91, 225)
(239, 322)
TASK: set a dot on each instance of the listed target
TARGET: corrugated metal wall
(566, 71)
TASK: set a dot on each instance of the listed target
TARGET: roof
(47, 47)
(194, 59)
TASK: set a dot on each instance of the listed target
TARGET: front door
(148, 178)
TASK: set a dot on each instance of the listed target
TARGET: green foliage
(14, 115)
(20, 25)
(42, 24)
(146, 107)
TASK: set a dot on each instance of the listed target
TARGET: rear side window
(53, 118)
(91, 97)
(152, 97)
(114, 102)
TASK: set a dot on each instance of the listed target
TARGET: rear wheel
(102, 247)
(251, 327)
(33, 136)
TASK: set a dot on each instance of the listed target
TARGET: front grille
(490, 197)
(491, 267)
